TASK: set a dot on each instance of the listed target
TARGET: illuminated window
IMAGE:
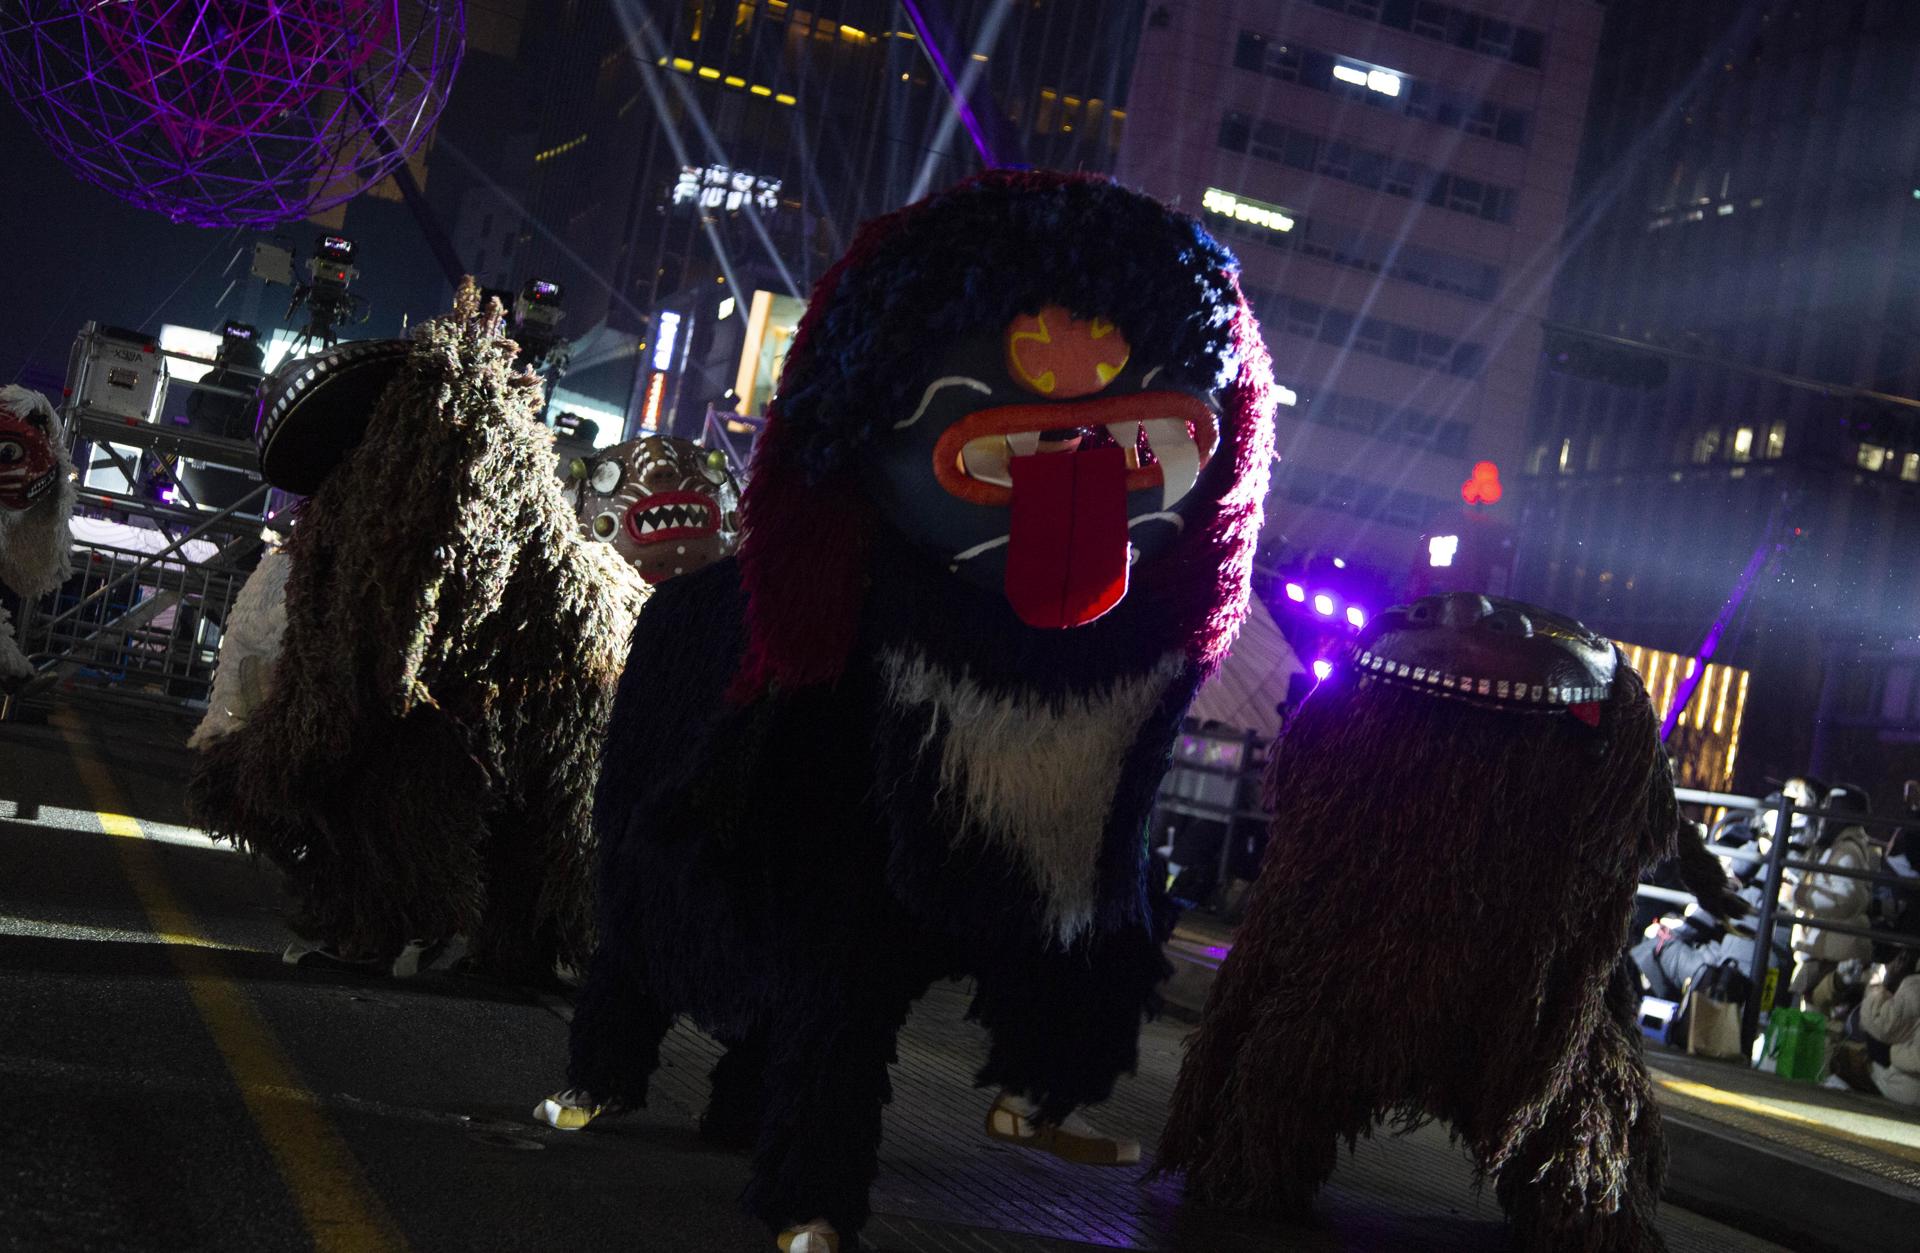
(1910, 467)
(1441, 550)
(1776, 441)
(1706, 446)
(1743, 444)
(1566, 456)
(1872, 457)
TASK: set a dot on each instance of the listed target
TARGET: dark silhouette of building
(1728, 350)
(691, 154)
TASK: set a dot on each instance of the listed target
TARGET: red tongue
(1067, 536)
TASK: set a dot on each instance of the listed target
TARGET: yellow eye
(605, 525)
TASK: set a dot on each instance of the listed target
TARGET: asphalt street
(166, 1082)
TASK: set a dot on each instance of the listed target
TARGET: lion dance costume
(1462, 814)
(37, 494)
(999, 525)
(424, 763)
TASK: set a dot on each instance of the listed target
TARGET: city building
(1724, 449)
(698, 164)
(1394, 175)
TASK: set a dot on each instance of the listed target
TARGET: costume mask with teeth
(1047, 387)
(1044, 457)
(667, 505)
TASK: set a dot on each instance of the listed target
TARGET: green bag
(1797, 1041)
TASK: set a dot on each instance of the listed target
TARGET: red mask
(28, 468)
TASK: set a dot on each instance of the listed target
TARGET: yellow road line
(1779, 1113)
(340, 1210)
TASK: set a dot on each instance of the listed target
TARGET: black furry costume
(835, 768)
(1437, 932)
(424, 764)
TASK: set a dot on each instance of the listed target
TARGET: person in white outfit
(1841, 845)
(1890, 1020)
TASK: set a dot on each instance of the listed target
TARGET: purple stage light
(1322, 668)
(1356, 616)
(1323, 604)
(232, 112)
(1295, 592)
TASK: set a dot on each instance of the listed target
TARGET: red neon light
(1484, 487)
(656, 387)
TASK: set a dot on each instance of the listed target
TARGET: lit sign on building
(718, 187)
(1241, 209)
(656, 388)
(669, 332)
(1372, 77)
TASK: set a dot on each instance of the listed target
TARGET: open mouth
(1063, 473)
(14, 485)
(1165, 438)
(667, 516)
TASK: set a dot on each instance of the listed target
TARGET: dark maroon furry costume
(1438, 932)
(781, 859)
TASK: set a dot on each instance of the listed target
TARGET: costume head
(668, 506)
(1046, 384)
(423, 763)
(37, 494)
(28, 466)
(1461, 815)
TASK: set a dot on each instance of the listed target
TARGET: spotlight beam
(938, 60)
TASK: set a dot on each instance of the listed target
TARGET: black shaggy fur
(1437, 933)
(424, 765)
(782, 859)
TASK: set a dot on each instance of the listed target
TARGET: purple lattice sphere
(232, 112)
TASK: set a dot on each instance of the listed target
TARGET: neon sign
(1241, 209)
(719, 187)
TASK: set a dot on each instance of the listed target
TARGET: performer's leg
(826, 1084)
(1588, 1177)
(618, 1023)
(1066, 1025)
(739, 1097)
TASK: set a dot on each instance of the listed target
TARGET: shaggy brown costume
(425, 764)
(1437, 933)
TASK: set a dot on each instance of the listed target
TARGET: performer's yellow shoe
(566, 1111)
(1072, 1139)
(817, 1236)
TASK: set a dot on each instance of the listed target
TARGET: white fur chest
(1034, 775)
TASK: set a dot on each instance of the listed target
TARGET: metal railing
(1764, 974)
(144, 610)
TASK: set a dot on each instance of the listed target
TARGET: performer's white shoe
(566, 1111)
(1072, 1139)
(817, 1236)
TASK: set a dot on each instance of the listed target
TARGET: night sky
(77, 253)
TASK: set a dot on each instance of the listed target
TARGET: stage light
(1296, 592)
(1323, 604)
(1322, 668)
(1441, 549)
(1339, 563)
(1356, 615)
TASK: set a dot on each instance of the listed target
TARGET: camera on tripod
(536, 321)
(329, 305)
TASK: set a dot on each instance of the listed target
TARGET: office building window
(1373, 336)
(1776, 441)
(1380, 86)
(1743, 444)
(1872, 457)
(1350, 163)
(1910, 468)
(1446, 23)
